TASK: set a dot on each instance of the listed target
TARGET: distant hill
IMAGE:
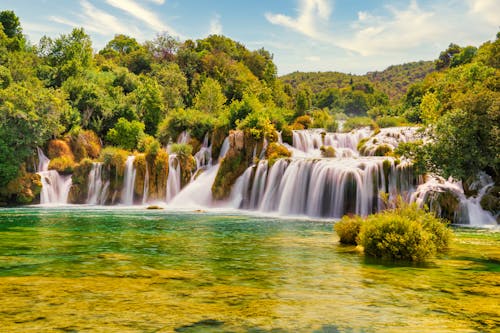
(393, 81)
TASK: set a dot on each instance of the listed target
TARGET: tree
(210, 99)
(445, 57)
(11, 24)
(126, 134)
(173, 84)
(29, 115)
(69, 55)
(163, 48)
(150, 105)
(303, 101)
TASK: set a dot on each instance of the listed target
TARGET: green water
(78, 270)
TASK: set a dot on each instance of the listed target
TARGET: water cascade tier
(349, 180)
(55, 187)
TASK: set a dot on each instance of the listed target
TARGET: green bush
(181, 149)
(322, 119)
(391, 121)
(115, 158)
(348, 229)
(276, 151)
(403, 233)
(63, 165)
(180, 120)
(359, 122)
(126, 134)
(327, 151)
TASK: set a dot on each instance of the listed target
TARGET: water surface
(134, 270)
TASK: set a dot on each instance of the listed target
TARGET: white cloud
(401, 30)
(215, 26)
(143, 14)
(158, 2)
(313, 58)
(487, 9)
(95, 20)
(312, 18)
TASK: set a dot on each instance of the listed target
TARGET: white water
(305, 184)
(127, 197)
(145, 192)
(98, 189)
(55, 187)
(470, 210)
(174, 177)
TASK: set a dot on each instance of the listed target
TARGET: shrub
(84, 143)
(348, 229)
(322, 119)
(63, 165)
(382, 150)
(115, 158)
(287, 135)
(126, 134)
(397, 238)
(391, 121)
(195, 122)
(302, 122)
(327, 151)
(181, 149)
(404, 233)
(275, 151)
(59, 148)
(359, 122)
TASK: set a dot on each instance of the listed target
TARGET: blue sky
(308, 35)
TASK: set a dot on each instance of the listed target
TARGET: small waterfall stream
(98, 189)
(55, 187)
(127, 197)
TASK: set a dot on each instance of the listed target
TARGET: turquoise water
(135, 270)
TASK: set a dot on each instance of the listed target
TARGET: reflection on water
(155, 271)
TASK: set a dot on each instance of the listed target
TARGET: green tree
(126, 134)
(173, 84)
(210, 99)
(150, 105)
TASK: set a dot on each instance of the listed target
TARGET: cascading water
(127, 197)
(145, 192)
(55, 187)
(98, 189)
(204, 156)
(174, 177)
(323, 187)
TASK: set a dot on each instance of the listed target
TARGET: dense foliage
(403, 233)
(139, 96)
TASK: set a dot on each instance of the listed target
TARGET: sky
(351, 36)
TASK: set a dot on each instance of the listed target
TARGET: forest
(82, 105)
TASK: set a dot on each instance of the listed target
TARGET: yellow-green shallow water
(83, 270)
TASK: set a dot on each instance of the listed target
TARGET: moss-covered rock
(242, 146)
(80, 182)
(64, 165)
(491, 201)
(276, 151)
(219, 134)
(159, 177)
(114, 160)
(84, 144)
(327, 151)
(382, 150)
(287, 135)
(140, 165)
(444, 203)
(25, 189)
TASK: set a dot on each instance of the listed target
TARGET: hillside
(393, 81)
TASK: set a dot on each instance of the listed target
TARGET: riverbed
(136, 270)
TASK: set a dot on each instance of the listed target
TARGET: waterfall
(204, 156)
(127, 196)
(55, 187)
(174, 177)
(469, 210)
(98, 189)
(146, 186)
(322, 187)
